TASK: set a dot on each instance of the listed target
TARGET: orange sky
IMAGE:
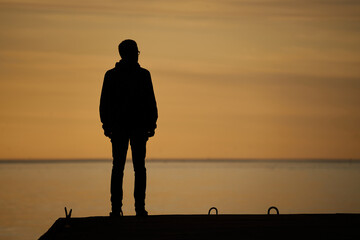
(233, 79)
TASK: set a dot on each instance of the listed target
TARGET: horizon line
(184, 160)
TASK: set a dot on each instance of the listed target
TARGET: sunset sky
(232, 78)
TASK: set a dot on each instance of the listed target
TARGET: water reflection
(33, 196)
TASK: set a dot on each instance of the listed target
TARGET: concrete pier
(293, 226)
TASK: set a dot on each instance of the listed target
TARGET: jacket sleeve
(152, 111)
(104, 107)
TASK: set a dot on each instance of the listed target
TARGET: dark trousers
(120, 143)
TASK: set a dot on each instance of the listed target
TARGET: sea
(34, 193)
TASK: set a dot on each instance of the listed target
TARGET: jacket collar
(128, 65)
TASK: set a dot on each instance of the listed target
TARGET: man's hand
(107, 133)
(150, 133)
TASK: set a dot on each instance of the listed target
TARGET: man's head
(129, 51)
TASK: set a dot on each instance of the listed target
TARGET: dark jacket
(127, 99)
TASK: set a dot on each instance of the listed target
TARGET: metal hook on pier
(216, 211)
(68, 216)
(67, 219)
(277, 210)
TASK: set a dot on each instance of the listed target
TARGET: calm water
(33, 195)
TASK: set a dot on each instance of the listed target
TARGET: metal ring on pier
(212, 209)
(277, 210)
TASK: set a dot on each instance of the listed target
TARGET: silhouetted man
(128, 112)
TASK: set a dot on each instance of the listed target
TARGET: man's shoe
(142, 213)
(116, 214)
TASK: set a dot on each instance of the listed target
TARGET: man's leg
(119, 149)
(138, 149)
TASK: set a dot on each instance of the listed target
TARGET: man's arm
(152, 110)
(104, 107)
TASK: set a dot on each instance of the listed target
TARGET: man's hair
(127, 48)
